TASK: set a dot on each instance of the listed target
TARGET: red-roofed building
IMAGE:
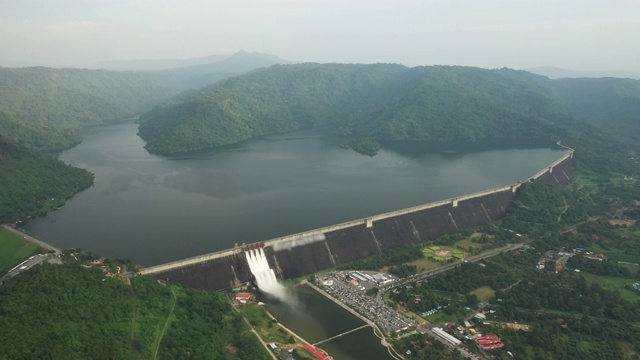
(317, 352)
(516, 252)
(559, 267)
(243, 297)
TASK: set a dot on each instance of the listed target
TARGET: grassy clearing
(613, 284)
(592, 181)
(633, 268)
(612, 253)
(468, 243)
(442, 253)
(629, 351)
(441, 317)
(13, 250)
(269, 330)
(484, 293)
(425, 264)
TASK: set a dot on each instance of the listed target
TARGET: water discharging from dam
(263, 274)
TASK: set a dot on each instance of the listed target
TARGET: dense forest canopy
(45, 101)
(67, 311)
(380, 102)
(43, 109)
(607, 102)
(35, 184)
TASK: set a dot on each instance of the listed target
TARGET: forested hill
(70, 312)
(379, 102)
(37, 100)
(34, 184)
(276, 100)
(606, 102)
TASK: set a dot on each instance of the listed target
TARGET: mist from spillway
(264, 276)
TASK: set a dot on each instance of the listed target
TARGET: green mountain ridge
(34, 184)
(44, 109)
(277, 100)
(371, 103)
(59, 101)
(609, 103)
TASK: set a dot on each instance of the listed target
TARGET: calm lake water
(155, 209)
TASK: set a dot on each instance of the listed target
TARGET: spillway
(264, 276)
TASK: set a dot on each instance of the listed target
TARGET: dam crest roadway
(310, 251)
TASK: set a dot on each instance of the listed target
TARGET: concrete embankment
(340, 303)
(189, 261)
(311, 251)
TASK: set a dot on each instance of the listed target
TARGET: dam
(311, 251)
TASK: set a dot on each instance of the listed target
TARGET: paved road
(426, 274)
(31, 239)
(31, 262)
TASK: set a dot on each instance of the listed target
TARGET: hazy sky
(575, 34)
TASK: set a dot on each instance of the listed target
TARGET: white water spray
(264, 275)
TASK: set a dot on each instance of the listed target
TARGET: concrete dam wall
(308, 252)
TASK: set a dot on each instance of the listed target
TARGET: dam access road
(32, 240)
(376, 313)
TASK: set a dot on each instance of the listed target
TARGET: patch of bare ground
(232, 349)
(629, 351)
(621, 222)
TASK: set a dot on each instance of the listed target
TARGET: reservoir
(154, 209)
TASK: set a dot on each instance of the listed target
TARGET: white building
(446, 336)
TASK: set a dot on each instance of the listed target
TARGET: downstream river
(155, 209)
(316, 318)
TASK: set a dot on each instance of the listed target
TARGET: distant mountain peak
(172, 64)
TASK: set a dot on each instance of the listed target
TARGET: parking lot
(31, 262)
(350, 288)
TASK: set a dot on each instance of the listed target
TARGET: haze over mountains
(196, 72)
(383, 102)
(202, 74)
(231, 62)
(558, 73)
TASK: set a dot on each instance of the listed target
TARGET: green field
(267, 327)
(442, 316)
(484, 293)
(614, 284)
(468, 243)
(431, 252)
(13, 250)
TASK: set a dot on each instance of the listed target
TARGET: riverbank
(262, 322)
(376, 330)
(32, 240)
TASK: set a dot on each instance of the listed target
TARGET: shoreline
(376, 331)
(32, 240)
